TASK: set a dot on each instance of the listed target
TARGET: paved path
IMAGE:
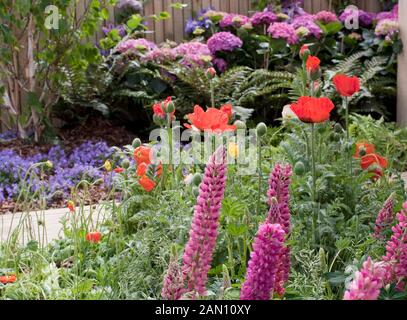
(45, 226)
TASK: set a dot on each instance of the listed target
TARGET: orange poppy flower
(210, 120)
(8, 279)
(119, 170)
(369, 149)
(71, 206)
(143, 167)
(346, 86)
(227, 108)
(313, 110)
(142, 154)
(147, 184)
(371, 159)
(94, 237)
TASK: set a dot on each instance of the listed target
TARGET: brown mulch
(94, 129)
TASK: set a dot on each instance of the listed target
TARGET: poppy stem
(349, 156)
(314, 186)
(259, 173)
(212, 93)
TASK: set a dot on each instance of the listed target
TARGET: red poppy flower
(313, 64)
(313, 110)
(210, 120)
(228, 109)
(147, 184)
(119, 170)
(94, 237)
(8, 279)
(158, 109)
(367, 147)
(371, 159)
(142, 154)
(143, 167)
(346, 86)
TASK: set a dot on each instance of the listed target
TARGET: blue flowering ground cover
(56, 179)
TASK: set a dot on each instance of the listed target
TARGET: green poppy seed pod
(261, 129)
(299, 168)
(136, 143)
(362, 151)
(125, 164)
(195, 191)
(170, 107)
(240, 125)
(196, 180)
(338, 128)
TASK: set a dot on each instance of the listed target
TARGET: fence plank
(234, 6)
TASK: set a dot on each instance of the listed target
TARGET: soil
(95, 129)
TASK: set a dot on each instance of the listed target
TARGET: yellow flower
(108, 166)
(233, 150)
(49, 164)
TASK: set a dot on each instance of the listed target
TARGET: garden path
(45, 226)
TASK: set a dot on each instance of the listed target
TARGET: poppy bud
(157, 120)
(136, 143)
(196, 180)
(348, 146)
(299, 168)
(261, 129)
(169, 107)
(338, 128)
(240, 125)
(125, 164)
(210, 73)
(195, 191)
(304, 52)
(335, 137)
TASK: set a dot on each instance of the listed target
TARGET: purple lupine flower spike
(173, 287)
(368, 281)
(385, 217)
(396, 250)
(204, 229)
(263, 264)
(279, 196)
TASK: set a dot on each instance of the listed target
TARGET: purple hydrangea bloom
(307, 21)
(120, 28)
(263, 18)
(223, 41)
(366, 18)
(282, 30)
(130, 4)
(220, 64)
(201, 21)
(232, 19)
(160, 55)
(8, 135)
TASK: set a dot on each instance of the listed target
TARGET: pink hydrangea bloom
(136, 44)
(387, 28)
(205, 222)
(263, 264)
(367, 282)
(160, 55)
(396, 249)
(282, 30)
(193, 53)
(326, 17)
(385, 218)
(279, 196)
(232, 19)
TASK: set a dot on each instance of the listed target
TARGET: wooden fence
(173, 28)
